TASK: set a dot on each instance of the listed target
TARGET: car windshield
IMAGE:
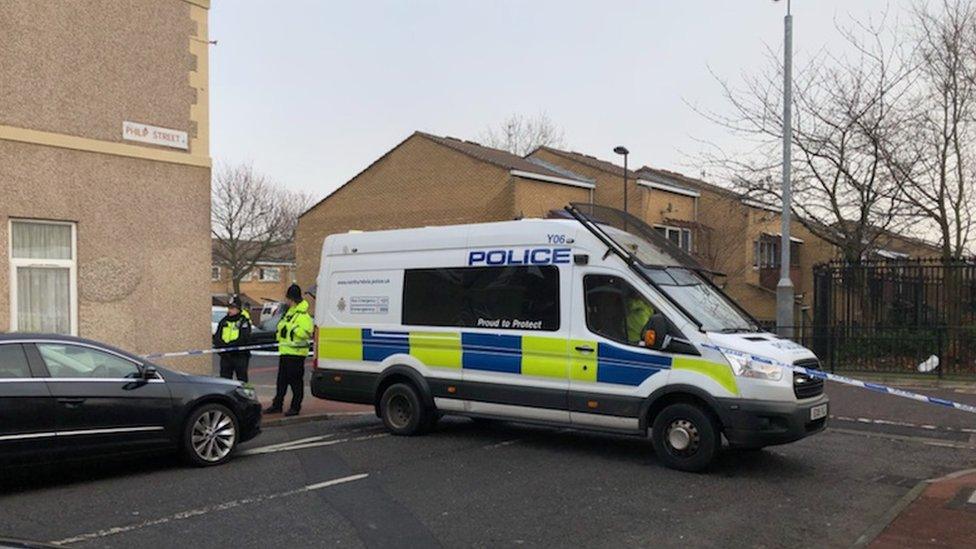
(217, 315)
(707, 305)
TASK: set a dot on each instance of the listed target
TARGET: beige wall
(72, 73)
(659, 206)
(536, 198)
(143, 250)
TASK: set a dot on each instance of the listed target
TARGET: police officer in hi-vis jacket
(234, 330)
(294, 337)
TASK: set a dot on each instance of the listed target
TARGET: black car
(63, 396)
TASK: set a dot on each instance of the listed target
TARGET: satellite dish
(930, 364)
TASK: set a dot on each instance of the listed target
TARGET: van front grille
(805, 386)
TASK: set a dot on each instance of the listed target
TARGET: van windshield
(700, 299)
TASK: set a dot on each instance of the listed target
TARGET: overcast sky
(311, 92)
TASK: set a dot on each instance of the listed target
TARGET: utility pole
(784, 288)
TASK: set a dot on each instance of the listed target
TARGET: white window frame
(681, 232)
(261, 271)
(70, 264)
(212, 278)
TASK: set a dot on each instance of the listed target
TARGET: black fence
(919, 293)
(891, 316)
(892, 349)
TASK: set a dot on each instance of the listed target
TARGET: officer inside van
(639, 313)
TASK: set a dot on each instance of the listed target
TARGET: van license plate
(818, 412)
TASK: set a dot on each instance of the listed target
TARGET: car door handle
(584, 348)
(71, 402)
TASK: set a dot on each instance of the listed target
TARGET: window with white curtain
(43, 276)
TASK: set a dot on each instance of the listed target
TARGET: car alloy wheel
(213, 435)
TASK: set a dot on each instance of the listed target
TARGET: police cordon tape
(216, 350)
(725, 350)
(847, 381)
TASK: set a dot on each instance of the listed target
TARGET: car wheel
(210, 435)
(686, 437)
(402, 411)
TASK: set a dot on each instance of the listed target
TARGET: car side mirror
(149, 372)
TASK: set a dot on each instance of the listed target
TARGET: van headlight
(747, 367)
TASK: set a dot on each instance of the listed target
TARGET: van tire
(402, 411)
(686, 437)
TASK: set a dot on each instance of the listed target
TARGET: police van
(593, 320)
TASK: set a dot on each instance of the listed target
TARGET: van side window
(615, 310)
(507, 298)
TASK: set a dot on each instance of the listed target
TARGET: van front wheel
(402, 411)
(685, 437)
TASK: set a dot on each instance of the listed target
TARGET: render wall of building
(73, 72)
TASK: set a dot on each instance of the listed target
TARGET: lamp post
(620, 149)
(784, 288)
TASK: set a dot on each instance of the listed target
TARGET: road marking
(501, 444)
(302, 444)
(201, 511)
(918, 440)
(877, 421)
(972, 498)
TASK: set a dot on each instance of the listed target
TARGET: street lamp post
(784, 288)
(620, 149)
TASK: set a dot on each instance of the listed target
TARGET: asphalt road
(345, 482)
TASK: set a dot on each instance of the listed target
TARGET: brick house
(268, 281)
(432, 180)
(666, 204)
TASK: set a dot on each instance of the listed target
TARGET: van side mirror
(650, 337)
(657, 332)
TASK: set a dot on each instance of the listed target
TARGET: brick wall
(417, 183)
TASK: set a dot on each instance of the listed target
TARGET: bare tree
(843, 108)
(521, 135)
(932, 156)
(251, 217)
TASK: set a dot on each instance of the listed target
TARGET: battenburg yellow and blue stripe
(513, 354)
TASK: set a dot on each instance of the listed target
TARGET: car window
(72, 361)
(615, 310)
(13, 361)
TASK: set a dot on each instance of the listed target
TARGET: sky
(311, 92)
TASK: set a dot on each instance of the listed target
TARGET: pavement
(883, 474)
(262, 375)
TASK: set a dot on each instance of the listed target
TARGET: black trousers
(291, 373)
(234, 364)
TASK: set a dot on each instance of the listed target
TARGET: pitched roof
(283, 253)
(682, 180)
(588, 160)
(502, 158)
(497, 157)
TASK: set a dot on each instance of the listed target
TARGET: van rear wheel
(686, 437)
(402, 411)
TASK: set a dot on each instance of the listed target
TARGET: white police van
(573, 322)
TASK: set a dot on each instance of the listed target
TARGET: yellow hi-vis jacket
(295, 330)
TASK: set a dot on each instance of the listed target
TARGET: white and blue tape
(877, 388)
(216, 350)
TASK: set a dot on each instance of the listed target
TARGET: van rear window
(506, 298)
